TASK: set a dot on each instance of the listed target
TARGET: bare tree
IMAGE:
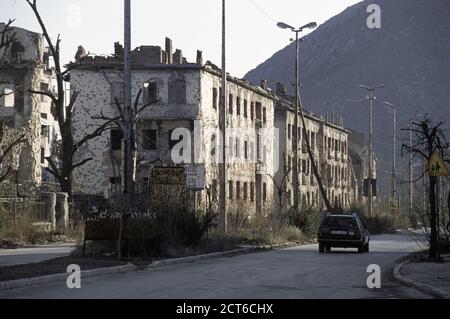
(9, 142)
(428, 138)
(280, 183)
(62, 163)
(312, 159)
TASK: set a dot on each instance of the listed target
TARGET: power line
(262, 11)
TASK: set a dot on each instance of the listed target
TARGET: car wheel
(361, 249)
(321, 248)
(366, 247)
(328, 249)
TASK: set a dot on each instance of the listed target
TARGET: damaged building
(26, 65)
(260, 126)
(188, 98)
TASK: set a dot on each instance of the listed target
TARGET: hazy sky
(192, 24)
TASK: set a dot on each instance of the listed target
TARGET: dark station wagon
(344, 231)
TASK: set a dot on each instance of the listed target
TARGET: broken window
(246, 149)
(150, 92)
(17, 51)
(245, 108)
(245, 191)
(238, 190)
(116, 140)
(258, 111)
(42, 155)
(238, 106)
(44, 88)
(115, 180)
(149, 140)
(177, 90)
(45, 132)
(215, 98)
(7, 97)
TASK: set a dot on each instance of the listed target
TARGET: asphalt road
(299, 272)
(9, 257)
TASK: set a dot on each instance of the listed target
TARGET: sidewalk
(33, 254)
(433, 278)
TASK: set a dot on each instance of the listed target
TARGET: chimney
(118, 50)
(178, 57)
(281, 89)
(169, 50)
(199, 57)
(263, 84)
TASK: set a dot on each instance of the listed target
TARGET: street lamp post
(370, 177)
(394, 108)
(295, 136)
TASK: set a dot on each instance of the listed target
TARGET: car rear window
(344, 222)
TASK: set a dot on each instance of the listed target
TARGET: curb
(190, 259)
(418, 285)
(19, 283)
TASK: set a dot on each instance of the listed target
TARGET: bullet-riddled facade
(26, 65)
(188, 102)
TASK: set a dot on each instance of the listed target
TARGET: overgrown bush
(381, 221)
(21, 231)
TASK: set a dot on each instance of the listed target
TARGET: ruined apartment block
(329, 143)
(188, 96)
(26, 65)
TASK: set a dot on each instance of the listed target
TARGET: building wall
(329, 142)
(196, 112)
(23, 68)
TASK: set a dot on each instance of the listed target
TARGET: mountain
(409, 54)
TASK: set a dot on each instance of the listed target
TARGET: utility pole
(370, 177)
(223, 128)
(129, 133)
(393, 177)
(295, 135)
(411, 189)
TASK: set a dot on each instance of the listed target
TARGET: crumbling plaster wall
(241, 129)
(96, 96)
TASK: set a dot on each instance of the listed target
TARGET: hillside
(410, 55)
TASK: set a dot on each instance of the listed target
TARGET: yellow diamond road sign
(437, 166)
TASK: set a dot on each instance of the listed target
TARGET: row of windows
(336, 145)
(176, 90)
(241, 106)
(238, 190)
(149, 140)
(337, 172)
(311, 135)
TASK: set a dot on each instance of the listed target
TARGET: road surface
(9, 257)
(298, 272)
